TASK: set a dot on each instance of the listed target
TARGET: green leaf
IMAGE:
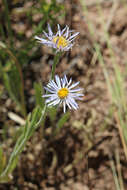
(14, 164)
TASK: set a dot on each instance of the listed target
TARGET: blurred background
(89, 151)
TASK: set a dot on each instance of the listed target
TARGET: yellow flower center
(61, 41)
(63, 92)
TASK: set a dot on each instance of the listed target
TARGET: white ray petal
(64, 30)
(68, 104)
(73, 85)
(68, 47)
(73, 103)
(54, 102)
(64, 106)
(74, 35)
(70, 81)
(46, 35)
(76, 94)
(52, 83)
(65, 78)
(50, 30)
(41, 39)
(49, 90)
(51, 99)
(58, 81)
(47, 95)
(76, 90)
(78, 98)
(59, 30)
(67, 33)
(63, 83)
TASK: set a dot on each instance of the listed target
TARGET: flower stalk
(56, 60)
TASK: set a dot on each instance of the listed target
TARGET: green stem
(56, 60)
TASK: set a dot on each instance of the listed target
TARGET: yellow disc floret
(63, 92)
(61, 41)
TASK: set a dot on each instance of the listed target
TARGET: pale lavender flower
(63, 40)
(61, 91)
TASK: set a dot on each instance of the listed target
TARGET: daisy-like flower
(61, 91)
(63, 40)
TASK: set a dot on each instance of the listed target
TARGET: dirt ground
(80, 157)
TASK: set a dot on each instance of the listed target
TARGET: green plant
(13, 59)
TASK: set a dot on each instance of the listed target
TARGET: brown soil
(80, 157)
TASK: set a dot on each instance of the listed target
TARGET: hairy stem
(56, 60)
